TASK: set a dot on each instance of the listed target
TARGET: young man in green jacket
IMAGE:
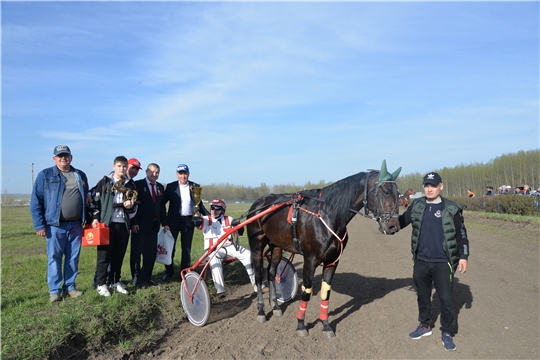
(440, 246)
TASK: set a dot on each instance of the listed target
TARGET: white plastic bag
(165, 245)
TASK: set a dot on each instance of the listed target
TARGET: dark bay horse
(315, 225)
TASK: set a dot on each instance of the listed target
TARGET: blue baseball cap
(182, 167)
(61, 149)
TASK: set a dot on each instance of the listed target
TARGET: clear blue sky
(248, 93)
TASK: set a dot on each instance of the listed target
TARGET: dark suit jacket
(172, 196)
(148, 210)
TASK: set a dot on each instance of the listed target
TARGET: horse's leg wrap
(323, 313)
(301, 314)
(306, 296)
(323, 316)
(325, 291)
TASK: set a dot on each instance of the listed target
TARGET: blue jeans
(63, 245)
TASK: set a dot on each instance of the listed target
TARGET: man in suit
(179, 195)
(145, 227)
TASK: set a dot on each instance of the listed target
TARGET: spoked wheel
(197, 310)
(287, 287)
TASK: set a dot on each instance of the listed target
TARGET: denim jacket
(46, 201)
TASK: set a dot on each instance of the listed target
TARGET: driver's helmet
(219, 205)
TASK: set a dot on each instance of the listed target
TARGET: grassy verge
(33, 328)
(534, 220)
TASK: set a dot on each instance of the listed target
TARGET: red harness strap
(318, 215)
(300, 197)
(289, 215)
(291, 207)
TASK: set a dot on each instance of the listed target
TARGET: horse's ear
(395, 174)
(383, 174)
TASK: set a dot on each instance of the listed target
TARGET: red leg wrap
(301, 314)
(323, 314)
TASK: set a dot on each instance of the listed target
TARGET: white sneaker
(120, 288)
(103, 291)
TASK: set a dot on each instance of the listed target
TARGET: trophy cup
(197, 197)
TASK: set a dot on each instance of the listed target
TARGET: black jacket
(148, 210)
(172, 196)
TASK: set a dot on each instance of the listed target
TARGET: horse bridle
(385, 216)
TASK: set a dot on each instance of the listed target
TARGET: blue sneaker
(420, 331)
(448, 342)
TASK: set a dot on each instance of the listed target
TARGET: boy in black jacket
(112, 205)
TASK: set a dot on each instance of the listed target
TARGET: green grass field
(33, 328)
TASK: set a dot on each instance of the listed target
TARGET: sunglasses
(216, 208)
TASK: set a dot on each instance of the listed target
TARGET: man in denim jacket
(58, 212)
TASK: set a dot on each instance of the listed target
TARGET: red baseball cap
(135, 163)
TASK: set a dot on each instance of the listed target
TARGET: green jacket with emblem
(456, 242)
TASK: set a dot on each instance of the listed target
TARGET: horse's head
(384, 200)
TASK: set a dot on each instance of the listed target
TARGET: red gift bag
(94, 237)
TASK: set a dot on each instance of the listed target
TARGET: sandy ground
(373, 306)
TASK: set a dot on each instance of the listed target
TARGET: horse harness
(296, 202)
(295, 205)
(292, 218)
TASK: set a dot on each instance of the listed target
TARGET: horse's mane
(340, 194)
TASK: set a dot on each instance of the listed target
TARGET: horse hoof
(302, 333)
(277, 312)
(261, 318)
(329, 334)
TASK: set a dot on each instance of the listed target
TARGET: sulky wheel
(197, 308)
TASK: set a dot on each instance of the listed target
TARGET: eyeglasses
(216, 208)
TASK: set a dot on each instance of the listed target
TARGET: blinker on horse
(315, 225)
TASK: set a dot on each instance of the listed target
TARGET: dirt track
(373, 306)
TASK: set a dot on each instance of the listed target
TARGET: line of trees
(247, 193)
(518, 169)
(515, 169)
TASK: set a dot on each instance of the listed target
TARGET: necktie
(153, 192)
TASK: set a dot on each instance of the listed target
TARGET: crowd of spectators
(508, 190)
